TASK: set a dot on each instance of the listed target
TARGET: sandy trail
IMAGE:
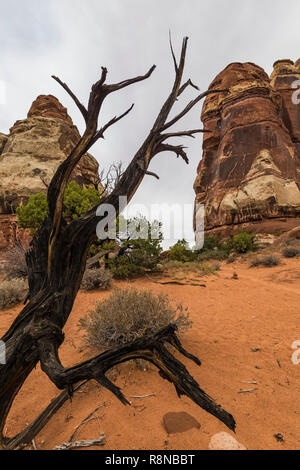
(232, 318)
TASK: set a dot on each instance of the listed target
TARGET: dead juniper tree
(56, 263)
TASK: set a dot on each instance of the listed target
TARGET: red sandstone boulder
(48, 106)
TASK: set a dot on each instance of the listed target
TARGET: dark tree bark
(56, 263)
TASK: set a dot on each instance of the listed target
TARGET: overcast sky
(74, 38)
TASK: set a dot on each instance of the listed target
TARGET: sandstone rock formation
(31, 153)
(249, 175)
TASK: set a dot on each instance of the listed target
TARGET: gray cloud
(73, 39)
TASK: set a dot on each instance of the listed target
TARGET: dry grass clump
(216, 266)
(16, 262)
(290, 252)
(204, 269)
(12, 292)
(267, 261)
(127, 315)
(98, 278)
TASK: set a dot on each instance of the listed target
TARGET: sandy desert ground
(243, 330)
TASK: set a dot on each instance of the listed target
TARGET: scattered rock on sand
(224, 441)
(179, 422)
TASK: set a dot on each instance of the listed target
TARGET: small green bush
(290, 252)
(243, 242)
(181, 252)
(122, 268)
(96, 279)
(218, 249)
(12, 292)
(77, 201)
(32, 215)
(267, 261)
(127, 315)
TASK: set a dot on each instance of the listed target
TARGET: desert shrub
(137, 254)
(231, 258)
(242, 242)
(267, 261)
(122, 268)
(181, 252)
(216, 248)
(12, 292)
(174, 267)
(211, 242)
(96, 279)
(32, 214)
(207, 269)
(219, 254)
(77, 201)
(290, 241)
(255, 262)
(16, 263)
(290, 252)
(270, 260)
(216, 266)
(127, 315)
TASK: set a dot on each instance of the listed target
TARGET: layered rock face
(249, 175)
(30, 155)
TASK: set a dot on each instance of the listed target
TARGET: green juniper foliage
(181, 252)
(243, 242)
(77, 201)
(33, 213)
(137, 253)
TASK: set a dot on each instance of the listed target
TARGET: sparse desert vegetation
(254, 312)
(291, 252)
(268, 261)
(96, 278)
(12, 292)
(128, 314)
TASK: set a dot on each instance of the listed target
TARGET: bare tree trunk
(56, 263)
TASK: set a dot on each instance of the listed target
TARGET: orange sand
(258, 310)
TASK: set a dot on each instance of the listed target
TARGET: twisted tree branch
(80, 106)
(189, 106)
(150, 348)
(56, 263)
(100, 134)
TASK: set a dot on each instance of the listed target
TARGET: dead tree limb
(56, 263)
(85, 443)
